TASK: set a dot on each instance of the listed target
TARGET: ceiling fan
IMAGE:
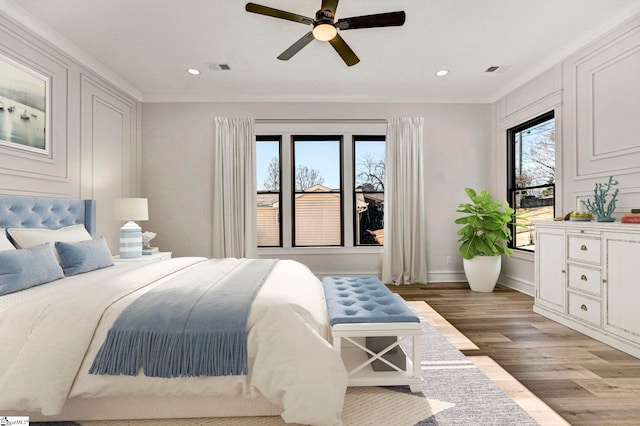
(326, 29)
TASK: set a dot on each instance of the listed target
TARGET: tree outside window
(269, 196)
(314, 175)
(532, 176)
(317, 207)
(369, 189)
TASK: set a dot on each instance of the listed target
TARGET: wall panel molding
(108, 129)
(610, 104)
(90, 116)
(604, 87)
(29, 168)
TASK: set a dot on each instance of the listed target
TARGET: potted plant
(484, 238)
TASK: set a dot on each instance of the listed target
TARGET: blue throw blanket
(192, 325)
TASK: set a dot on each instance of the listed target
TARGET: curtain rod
(320, 120)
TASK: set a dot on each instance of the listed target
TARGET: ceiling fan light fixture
(324, 32)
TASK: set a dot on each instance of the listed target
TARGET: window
(531, 178)
(301, 180)
(268, 174)
(368, 195)
(317, 191)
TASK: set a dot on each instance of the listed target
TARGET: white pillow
(5, 244)
(29, 237)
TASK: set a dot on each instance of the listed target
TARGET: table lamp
(130, 210)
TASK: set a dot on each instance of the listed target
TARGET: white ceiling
(146, 46)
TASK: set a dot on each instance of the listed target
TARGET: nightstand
(163, 255)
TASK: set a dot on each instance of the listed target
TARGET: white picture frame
(24, 108)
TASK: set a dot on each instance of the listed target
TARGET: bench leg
(337, 343)
(417, 361)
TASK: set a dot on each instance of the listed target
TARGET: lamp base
(130, 240)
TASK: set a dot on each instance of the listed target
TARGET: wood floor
(584, 381)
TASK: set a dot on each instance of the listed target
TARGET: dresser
(586, 277)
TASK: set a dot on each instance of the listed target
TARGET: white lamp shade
(131, 209)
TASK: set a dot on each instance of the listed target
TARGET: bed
(52, 332)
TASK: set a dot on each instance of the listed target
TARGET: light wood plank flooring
(584, 381)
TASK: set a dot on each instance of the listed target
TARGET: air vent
(218, 66)
(498, 69)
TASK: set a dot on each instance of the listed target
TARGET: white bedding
(50, 339)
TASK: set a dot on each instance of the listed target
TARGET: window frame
(274, 138)
(316, 138)
(355, 139)
(511, 169)
(347, 128)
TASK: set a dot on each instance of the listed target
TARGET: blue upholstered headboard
(49, 213)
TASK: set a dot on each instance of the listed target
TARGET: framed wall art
(24, 108)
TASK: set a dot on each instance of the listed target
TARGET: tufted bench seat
(368, 322)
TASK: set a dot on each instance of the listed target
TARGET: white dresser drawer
(584, 309)
(584, 278)
(584, 249)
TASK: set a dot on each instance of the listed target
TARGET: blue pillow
(21, 269)
(84, 256)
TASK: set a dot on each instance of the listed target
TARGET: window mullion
(286, 188)
(347, 200)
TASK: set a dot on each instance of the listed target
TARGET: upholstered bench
(368, 322)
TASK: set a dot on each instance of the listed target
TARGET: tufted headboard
(49, 213)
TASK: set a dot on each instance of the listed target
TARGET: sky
(321, 155)
(13, 77)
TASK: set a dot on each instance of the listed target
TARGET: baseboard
(449, 277)
(349, 274)
(517, 284)
(432, 277)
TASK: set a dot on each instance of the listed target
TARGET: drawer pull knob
(583, 248)
(583, 277)
(584, 307)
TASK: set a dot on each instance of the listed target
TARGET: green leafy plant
(485, 231)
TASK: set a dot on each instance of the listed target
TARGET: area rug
(454, 392)
(449, 376)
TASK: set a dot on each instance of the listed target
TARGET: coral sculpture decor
(599, 207)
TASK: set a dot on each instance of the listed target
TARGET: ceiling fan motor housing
(325, 16)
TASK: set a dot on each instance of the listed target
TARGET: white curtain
(405, 255)
(234, 188)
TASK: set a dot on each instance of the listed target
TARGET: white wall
(94, 128)
(177, 141)
(595, 93)
(96, 131)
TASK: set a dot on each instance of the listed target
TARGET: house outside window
(531, 176)
(368, 168)
(317, 172)
(269, 196)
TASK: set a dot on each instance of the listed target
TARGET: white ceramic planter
(482, 272)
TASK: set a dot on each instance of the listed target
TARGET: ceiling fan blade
(330, 4)
(391, 19)
(296, 47)
(348, 56)
(276, 13)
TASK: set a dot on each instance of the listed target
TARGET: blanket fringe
(163, 354)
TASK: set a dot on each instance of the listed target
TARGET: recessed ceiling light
(442, 73)
(193, 71)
